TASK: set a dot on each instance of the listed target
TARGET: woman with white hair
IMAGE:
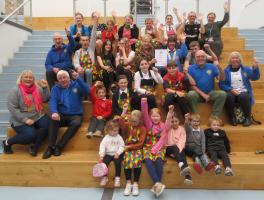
(27, 117)
(238, 88)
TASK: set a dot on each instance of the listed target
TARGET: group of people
(116, 70)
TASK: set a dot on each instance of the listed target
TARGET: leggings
(137, 172)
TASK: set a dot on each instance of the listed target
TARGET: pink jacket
(171, 136)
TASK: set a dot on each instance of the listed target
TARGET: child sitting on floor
(217, 146)
(195, 143)
(111, 149)
(102, 109)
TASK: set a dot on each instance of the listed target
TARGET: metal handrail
(251, 2)
(14, 11)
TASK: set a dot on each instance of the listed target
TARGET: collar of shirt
(196, 130)
(121, 91)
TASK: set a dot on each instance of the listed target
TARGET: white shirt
(156, 76)
(121, 91)
(237, 81)
(111, 145)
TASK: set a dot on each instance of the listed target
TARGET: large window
(143, 7)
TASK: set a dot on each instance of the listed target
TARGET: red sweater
(101, 107)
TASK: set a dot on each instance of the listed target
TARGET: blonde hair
(146, 37)
(195, 116)
(23, 73)
(235, 53)
(137, 114)
(110, 125)
(214, 119)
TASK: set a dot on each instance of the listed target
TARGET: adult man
(59, 57)
(66, 110)
(204, 75)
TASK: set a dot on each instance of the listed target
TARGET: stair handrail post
(14, 11)
(135, 11)
(104, 7)
(74, 10)
(166, 2)
(229, 9)
(197, 6)
(30, 17)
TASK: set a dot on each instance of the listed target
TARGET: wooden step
(229, 32)
(75, 169)
(238, 136)
(234, 44)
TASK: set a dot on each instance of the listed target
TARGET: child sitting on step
(174, 138)
(111, 149)
(134, 134)
(195, 143)
(154, 161)
(102, 109)
(217, 145)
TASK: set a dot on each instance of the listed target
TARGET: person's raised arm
(212, 56)
(95, 17)
(144, 110)
(200, 19)
(226, 16)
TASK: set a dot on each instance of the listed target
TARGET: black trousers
(243, 99)
(170, 99)
(51, 78)
(174, 152)
(215, 155)
(107, 159)
(128, 174)
(108, 78)
(73, 122)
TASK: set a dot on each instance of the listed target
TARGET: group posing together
(116, 69)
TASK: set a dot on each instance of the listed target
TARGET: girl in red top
(102, 109)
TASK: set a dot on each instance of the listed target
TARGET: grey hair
(19, 79)
(62, 72)
(235, 53)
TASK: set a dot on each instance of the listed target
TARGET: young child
(102, 109)
(145, 82)
(135, 134)
(217, 145)
(154, 161)
(111, 149)
(174, 138)
(195, 143)
(175, 87)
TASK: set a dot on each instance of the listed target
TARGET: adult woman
(212, 33)
(238, 87)
(129, 31)
(125, 60)
(106, 61)
(27, 117)
(77, 30)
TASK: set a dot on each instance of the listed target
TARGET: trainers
(128, 189)
(185, 170)
(209, 166)
(104, 181)
(135, 189)
(153, 189)
(7, 148)
(228, 171)
(117, 182)
(98, 134)
(159, 189)
(197, 167)
(218, 169)
(188, 179)
(89, 135)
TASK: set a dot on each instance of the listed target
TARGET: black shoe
(48, 153)
(57, 151)
(233, 121)
(247, 122)
(33, 151)
(7, 148)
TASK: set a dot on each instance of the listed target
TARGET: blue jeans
(155, 169)
(34, 134)
(87, 77)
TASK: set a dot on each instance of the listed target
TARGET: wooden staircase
(74, 167)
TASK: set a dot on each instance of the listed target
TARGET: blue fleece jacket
(180, 54)
(68, 101)
(84, 31)
(247, 75)
(62, 58)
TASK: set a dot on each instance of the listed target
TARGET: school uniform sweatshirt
(111, 145)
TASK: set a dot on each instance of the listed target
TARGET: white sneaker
(104, 181)
(98, 134)
(159, 189)
(135, 189)
(117, 182)
(89, 135)
(228, 171)
(153, 189)
(128, 189)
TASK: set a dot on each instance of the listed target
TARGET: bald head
(200, 57)
(57, 39)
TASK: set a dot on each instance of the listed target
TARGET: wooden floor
(74, 167)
